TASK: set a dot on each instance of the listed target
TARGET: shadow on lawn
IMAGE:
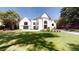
(74, 47)
(26, 38)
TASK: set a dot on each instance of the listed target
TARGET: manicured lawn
(66, 42)
(38, 41)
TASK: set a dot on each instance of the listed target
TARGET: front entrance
(25, 27)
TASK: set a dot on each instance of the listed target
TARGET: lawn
(38, 41)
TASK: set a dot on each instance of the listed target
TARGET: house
(39, 23)
(1, 22)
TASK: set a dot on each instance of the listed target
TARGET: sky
(33, 12)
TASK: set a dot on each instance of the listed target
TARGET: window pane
(45, 26)
(34, 27)
(52, 24)
(45, 22)
(25, 23)
(33, 23)
(25, 27)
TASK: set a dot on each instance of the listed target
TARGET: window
(25, 27)
(33, 23)
(52, 24)
(34, 27)
(25, 23)
(45, 26)
(45, 22)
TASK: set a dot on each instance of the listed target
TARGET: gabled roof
(44, 15)
(25, 18)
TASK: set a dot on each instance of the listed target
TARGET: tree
(70, 17)
(10, 19)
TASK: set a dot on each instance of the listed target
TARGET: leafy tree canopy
(9, 18)
(70, 17)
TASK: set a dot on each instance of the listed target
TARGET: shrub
(48, 29)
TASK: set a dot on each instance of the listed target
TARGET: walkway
(75, 33)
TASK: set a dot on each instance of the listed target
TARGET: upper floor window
(52, 24)
(45, 22)
(33, 23)
(25, 23)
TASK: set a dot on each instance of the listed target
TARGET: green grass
(66, 42)
(38, 41)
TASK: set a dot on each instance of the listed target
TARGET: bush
(55, 30)
(2, 27)
(48, 29)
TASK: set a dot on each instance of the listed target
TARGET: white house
(1, 23)
(39, 23)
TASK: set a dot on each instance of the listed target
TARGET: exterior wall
(43, 22)
(39, 23)
(48, 23)
(32, 25)
(21, 23)
(54, 25)
(1, 23)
